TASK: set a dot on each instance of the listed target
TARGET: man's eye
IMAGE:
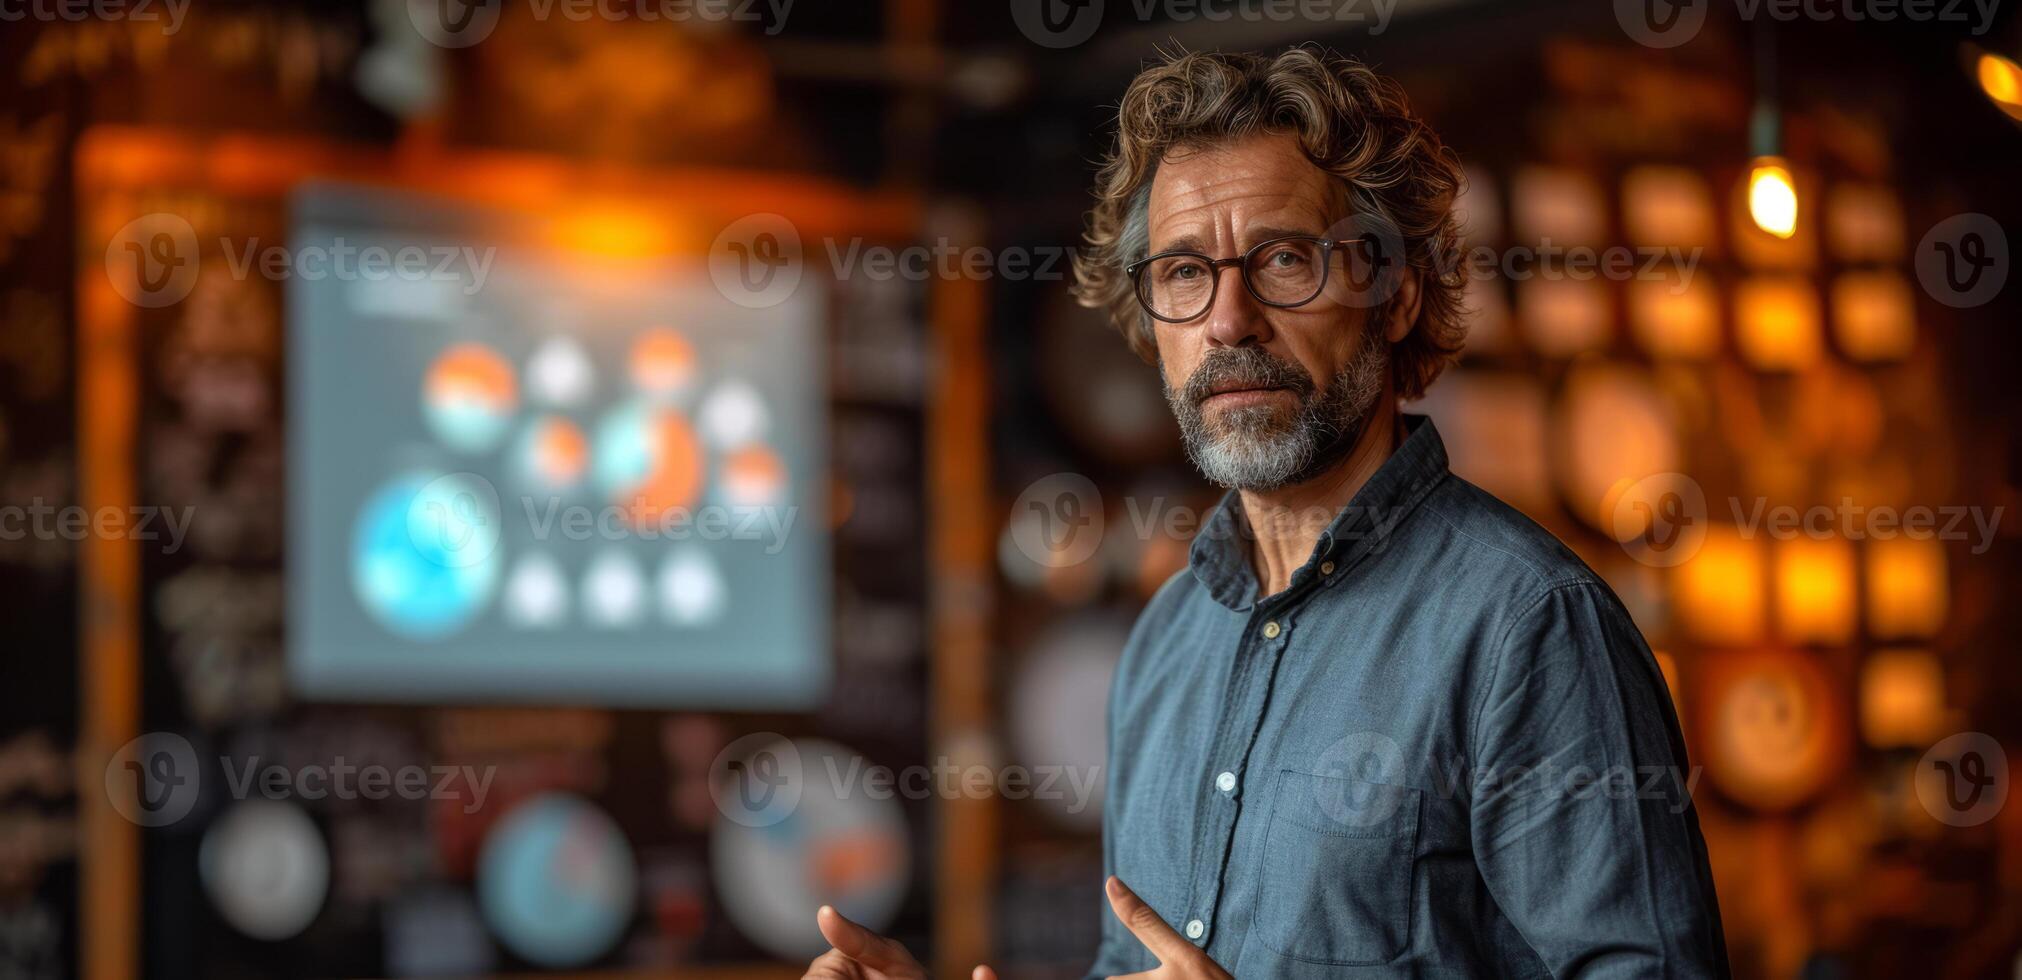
(1286, 258)
(1184, 272)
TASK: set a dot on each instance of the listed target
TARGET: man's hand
(861, 954)
(1177, 958)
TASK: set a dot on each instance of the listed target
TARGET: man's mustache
(1226, 368)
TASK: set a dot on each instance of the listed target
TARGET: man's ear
(1402, 312)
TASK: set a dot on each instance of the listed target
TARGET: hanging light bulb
(2001, 79)
(1772, 197)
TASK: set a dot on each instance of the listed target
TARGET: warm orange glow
(1667, 206)
(1772, 197)
(2001, 79)
(1902, 698)
(1874, 315)
(1907, 586)
(1674, 317)
(1777, 323)
(613, 232)
(1815, 590)
(1564, 317)
(1720, 590)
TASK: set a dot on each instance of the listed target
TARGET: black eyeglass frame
(1135, 271)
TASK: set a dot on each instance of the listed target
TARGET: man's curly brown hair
(1351, 122)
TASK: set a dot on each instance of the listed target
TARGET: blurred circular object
(468, 397)
(614, 590)
(839, 845)
(732, 414)
(1775, 733)
(1111, 402)
(560, 374)
(265, 867)
(551, 455)
(648, 460)
(754, 477)
(536, 593)
(1059, 706)
(424, 553)
(692, 590)
(662, 364)
(556, 881)
(1611, 428)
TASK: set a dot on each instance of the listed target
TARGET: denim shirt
(1443, 750)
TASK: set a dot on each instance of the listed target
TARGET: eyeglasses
(1284, 272)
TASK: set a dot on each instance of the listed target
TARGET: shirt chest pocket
(1336, 873)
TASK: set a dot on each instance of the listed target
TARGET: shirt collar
(1220, 555)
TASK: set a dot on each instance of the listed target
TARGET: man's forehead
(1262, 176)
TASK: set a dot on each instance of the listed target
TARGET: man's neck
(1286, 523)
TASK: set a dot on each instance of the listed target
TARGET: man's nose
(1235, 319)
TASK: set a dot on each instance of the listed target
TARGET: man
(1383, 725)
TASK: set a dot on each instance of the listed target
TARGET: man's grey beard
(1260, 447)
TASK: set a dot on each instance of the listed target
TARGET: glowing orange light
(1720, 590)
(1772, 197)
(1777, 325)
(613, 232)
(1907, 586)
(2001, 79)
(1815, 590)
(1902, 698)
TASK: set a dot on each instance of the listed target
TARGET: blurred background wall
(1781, 427)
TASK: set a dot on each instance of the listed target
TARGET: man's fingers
(982, 973)
(859, 943)
(1145, 924)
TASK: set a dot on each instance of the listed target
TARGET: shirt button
(1196, 928)
(1271, 630)
(1326, 568)
(1226, 782)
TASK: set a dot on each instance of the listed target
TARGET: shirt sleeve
(1583, 825)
